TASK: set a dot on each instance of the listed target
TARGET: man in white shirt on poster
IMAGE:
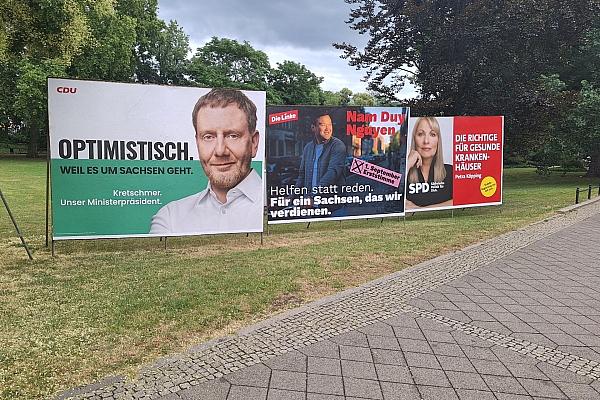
(227, 140)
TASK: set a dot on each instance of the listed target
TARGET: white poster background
(95, 110)
(125, 111)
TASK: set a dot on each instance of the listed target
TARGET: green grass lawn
(109, 306)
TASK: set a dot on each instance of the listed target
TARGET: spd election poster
(131, 160)
(454, 162)
(333, 163)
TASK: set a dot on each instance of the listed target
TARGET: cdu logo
(66, 90)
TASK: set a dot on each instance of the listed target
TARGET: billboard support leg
(52, 247)
(452, 211)
(261, 238)
(165, 243)
(307, 225)
(47, 189)
(16, 226)
(382, 220)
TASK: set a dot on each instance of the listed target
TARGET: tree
(223, 62)
(119, 40)
(478, 58)
(227, 63)
(147, 28)
(40, 39)
(293, 83)
(171, 55)
(160, 50)
(329, 98)
(584, 61)
(552, 130)
(449, 48)
(345, 96)
(586, 121)
(363, 99)
(31, 101)
(571, 135)
(107, 54)
(585, 113)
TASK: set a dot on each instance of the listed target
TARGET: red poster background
(467, 190)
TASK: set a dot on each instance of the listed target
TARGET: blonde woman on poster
(429, 178)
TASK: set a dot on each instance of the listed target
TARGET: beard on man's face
(230, 178)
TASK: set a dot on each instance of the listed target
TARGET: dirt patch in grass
(285, 301)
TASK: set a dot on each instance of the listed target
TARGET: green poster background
(74, 181)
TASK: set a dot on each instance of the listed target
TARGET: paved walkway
(515, 317)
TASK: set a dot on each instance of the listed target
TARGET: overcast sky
(299, 30)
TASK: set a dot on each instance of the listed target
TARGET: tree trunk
(594, 167)
(34, 141)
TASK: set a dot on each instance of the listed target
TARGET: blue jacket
(331, 164)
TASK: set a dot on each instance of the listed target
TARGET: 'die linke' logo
(66, 90)
(415, 188)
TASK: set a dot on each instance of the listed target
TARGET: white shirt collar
(250, 186)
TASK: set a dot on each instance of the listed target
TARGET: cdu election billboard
(131, 160)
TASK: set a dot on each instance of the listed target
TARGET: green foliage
(583, 62)
(8, 76)
(363, 99)
(345, 96)
(41, 40)
(43, 29)
(466, 52)
(228, 63)
(293, 83)
(3, 35)
(147, 30)
(552, 132)
(329, 98)
(587, 112)
(223, 62)
(484, 58)
(342, 97)
(159, 54)
(117, 40)
(107, 54)
(30, 104)
(586, 120)
(172, 51)
(30, 100)
(569, 123)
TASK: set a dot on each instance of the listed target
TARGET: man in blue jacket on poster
(323, 159)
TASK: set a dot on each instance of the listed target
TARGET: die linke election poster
(333, 163)
(131, 160)
(454, 162)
